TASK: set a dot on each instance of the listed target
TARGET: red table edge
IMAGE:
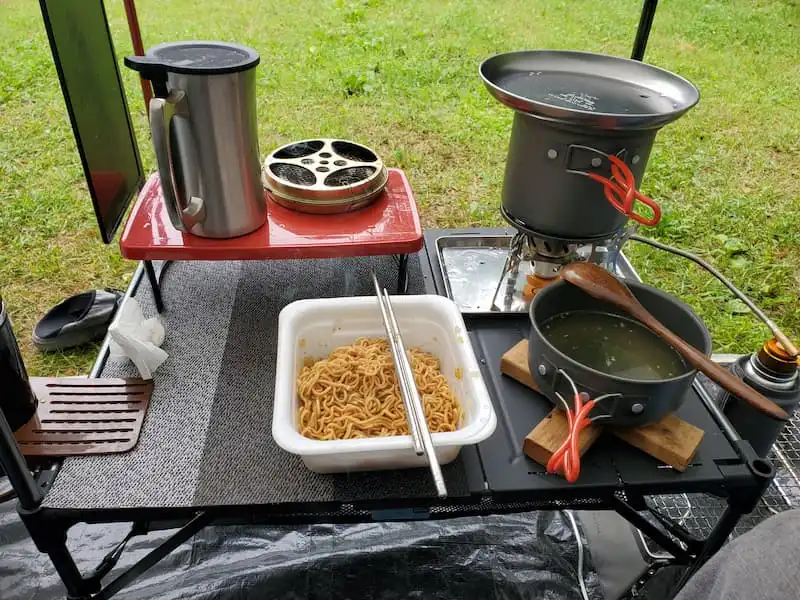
(342, 249)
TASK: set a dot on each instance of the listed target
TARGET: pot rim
(616, 378)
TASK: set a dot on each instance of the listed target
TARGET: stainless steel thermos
(205, 135)
(16, 398)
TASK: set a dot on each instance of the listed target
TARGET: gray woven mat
(207, 437)
(162, 469)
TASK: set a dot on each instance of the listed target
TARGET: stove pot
(572, 110)
(641, 401)
(544, 192)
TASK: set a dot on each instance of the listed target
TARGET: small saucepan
(603, 351)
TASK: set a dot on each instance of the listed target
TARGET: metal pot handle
(605, 411)
(183, 214)
(559, 380)
(620, 189)
(573, 156)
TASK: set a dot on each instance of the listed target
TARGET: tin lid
(324, 176)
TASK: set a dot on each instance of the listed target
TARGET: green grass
(402, 78)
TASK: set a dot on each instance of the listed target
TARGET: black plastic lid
(195, 58)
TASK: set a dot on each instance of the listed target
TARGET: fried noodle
(353, 393)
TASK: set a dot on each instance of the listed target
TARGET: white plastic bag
(137, 338)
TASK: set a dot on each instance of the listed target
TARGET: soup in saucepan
(613, 344)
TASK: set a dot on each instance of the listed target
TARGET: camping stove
(584, 125)
(534, 261)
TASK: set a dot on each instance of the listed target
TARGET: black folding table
(206, 455)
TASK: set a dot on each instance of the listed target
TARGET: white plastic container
(313, 328)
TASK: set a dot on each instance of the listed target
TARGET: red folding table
(390, 225)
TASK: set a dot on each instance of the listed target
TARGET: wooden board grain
(547, 437)
(514, 363)
(671, 440)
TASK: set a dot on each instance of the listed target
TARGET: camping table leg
(154, 285)
(402, 274)
(28, 491)
(694, 553)
(155, 281)
(30, 497)
(723, 529)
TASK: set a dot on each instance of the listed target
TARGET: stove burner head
(324, 176)
(550, 248)
(544, 257)
(549, 256)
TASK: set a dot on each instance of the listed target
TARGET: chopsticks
(415, 413)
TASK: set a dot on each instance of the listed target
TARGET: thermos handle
(162, 110)
(184, 213)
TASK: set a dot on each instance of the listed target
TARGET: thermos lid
(193, 58)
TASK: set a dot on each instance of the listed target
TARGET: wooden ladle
(600, 284)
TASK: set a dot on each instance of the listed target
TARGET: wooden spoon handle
(722, 377)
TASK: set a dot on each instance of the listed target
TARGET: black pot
(573, 109)
(542, 193)
(641, 401)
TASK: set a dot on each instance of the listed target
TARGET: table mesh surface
(207, 436)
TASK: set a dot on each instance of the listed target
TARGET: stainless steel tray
(471, 265)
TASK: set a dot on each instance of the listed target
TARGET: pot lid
(194, 58)
(587, 89)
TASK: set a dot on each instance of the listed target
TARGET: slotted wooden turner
(78, 416)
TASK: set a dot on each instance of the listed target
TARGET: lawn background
(402, 78)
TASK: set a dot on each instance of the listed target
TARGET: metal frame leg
(402, 274)
(154, 284)
(643, 33)
(16, 468)
(723, 529)
(77, 587)
(627, 512)
(696, 554)
(179, 537)
(49, 533)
